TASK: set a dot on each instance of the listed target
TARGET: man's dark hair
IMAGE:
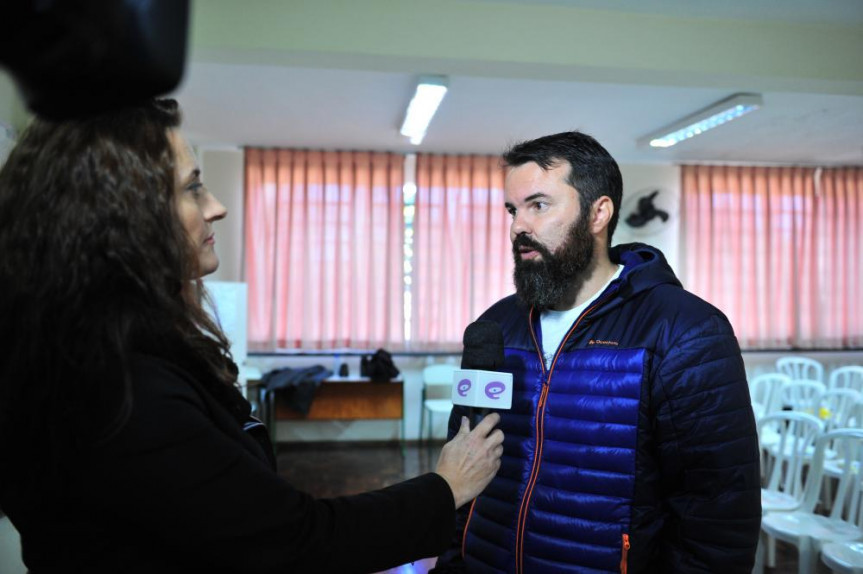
(593, 172)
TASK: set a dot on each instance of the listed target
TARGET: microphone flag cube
(483, 389)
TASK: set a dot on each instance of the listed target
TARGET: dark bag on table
(378, 367)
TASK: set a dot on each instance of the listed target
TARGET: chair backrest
(848, 447)
(848, 377)
(802, 396)
(836, 408)
(797, 434)
(765, 393)
(801, 368)
(855, 417)
(438, 374)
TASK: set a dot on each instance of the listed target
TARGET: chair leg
(808, 556)
(431, 426)
(422, 426)
(771, 551)
(759, 554)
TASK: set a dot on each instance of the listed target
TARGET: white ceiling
(237, 96)
(824, 11)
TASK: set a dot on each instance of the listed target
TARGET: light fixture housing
(715, 115)
(429, 94)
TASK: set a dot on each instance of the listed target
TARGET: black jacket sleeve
(708, 452)
(450, 561)
(182, 483)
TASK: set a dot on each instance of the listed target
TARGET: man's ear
(600, 216)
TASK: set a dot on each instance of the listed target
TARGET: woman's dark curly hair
(94, 266)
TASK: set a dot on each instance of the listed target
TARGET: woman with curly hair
(125, 445)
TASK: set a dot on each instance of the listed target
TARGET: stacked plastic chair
(809, 531)
(785, 469)
(801, 368)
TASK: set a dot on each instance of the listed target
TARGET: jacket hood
(644, 268)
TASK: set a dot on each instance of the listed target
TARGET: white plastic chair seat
(844, 557)
(773, 501)
(438, 405)
(790, 526)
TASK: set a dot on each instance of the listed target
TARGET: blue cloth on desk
(296, 386)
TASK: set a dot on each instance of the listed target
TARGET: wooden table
(351, 398)
(343, 398)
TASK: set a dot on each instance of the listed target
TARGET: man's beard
(545, 282)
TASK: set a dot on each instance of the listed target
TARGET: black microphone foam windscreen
(483, 346)
(73, 59)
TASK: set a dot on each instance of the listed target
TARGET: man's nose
(520, 225)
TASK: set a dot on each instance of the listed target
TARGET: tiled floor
(334, 469)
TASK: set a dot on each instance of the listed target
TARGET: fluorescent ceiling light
(424, 104)
(713, 116)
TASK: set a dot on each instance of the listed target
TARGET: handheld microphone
(478, 384)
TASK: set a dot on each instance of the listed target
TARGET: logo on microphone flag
(483, 389)
(494, 389)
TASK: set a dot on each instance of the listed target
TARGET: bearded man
(631, 444)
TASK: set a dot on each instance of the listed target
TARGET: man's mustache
(525, 241)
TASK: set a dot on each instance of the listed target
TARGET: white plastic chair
(843, 557)
(835, 410)
(764, 391)
(837, 406)
(802, 395)
(801, 368)
(440, 376)
(809, 531)
(797, 433)
(783, 466)
(833, 465)
(848, 377)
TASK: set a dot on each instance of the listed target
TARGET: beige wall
(223, 175)
(665, 237)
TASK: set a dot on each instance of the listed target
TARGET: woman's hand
(470, 460)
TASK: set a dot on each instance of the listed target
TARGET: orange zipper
(624, 554)
(466, 524)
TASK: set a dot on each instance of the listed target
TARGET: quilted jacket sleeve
(708, 452)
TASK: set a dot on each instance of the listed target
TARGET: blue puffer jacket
(635, 452)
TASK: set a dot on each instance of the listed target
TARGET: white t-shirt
(555, 324)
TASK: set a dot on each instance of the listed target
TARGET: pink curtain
(779, 251)
(323, 250)
(462, 254)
